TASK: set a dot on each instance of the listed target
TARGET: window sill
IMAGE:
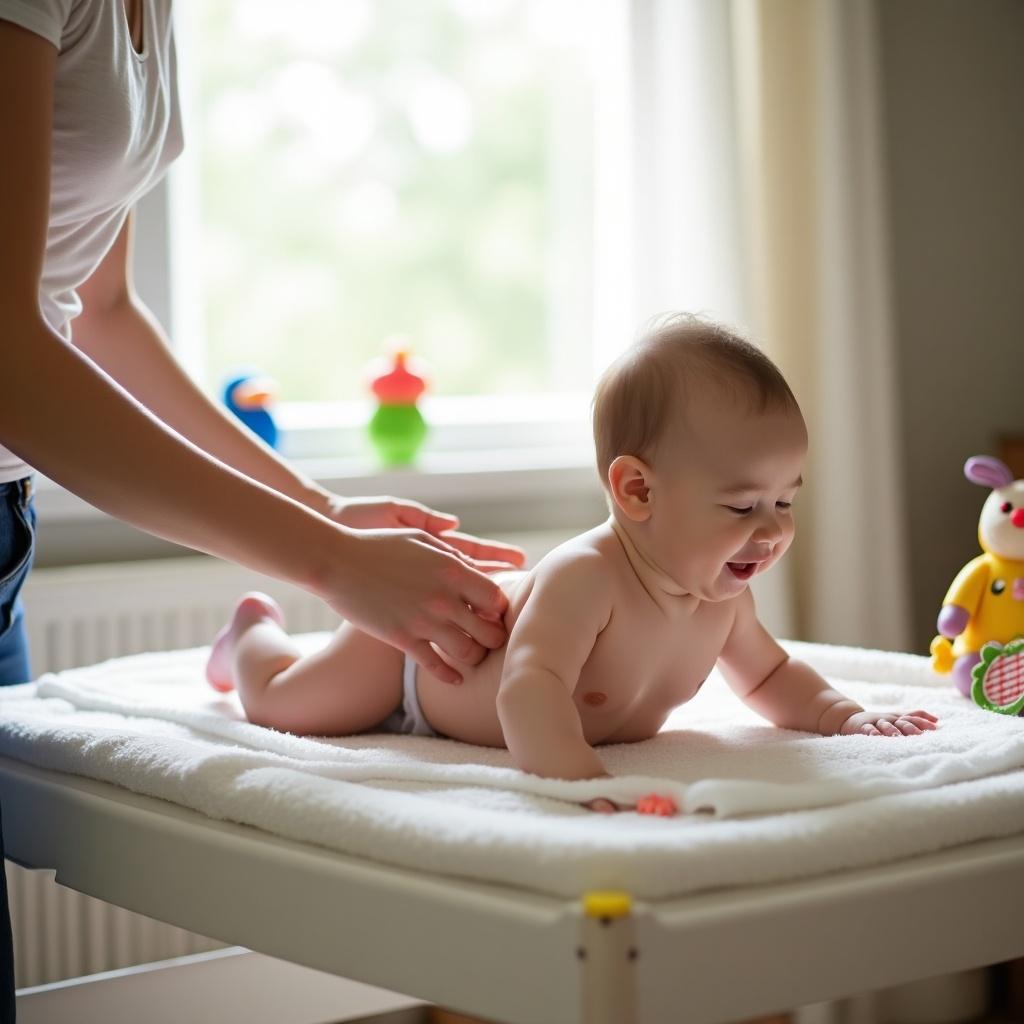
(460, 425)
(445, 480)
(481, 452)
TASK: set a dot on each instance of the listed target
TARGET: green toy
(999, 677)
(397, 429)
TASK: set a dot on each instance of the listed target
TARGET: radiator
(82, 615)
(85, 614)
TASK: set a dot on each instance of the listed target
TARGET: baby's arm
(569, 605)
(791, 694)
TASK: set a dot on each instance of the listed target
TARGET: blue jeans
(17, 545)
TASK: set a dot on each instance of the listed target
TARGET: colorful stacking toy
(397, 428)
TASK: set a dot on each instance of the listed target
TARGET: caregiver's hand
(394, 513)
(411, 589)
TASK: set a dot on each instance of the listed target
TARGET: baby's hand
(885, 723)
(602, 806)
(663, 806)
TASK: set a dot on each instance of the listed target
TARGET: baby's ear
(629, 484)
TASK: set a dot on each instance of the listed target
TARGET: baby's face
(724, 483)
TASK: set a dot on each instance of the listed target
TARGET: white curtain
(667, 219)
(812, 173)
(739, 173)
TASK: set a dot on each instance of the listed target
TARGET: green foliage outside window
(373, 169)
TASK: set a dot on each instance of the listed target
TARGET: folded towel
(150, 724)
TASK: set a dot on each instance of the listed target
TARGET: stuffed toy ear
(989, 472)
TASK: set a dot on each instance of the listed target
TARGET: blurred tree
(378, 168)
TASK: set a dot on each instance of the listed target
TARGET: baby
(700, 446)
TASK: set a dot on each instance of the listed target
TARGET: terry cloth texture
(763, 804)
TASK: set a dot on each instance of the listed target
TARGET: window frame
(638, 109)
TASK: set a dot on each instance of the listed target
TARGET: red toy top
(398, 384)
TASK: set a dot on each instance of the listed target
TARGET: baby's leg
(351, 685)
(251, 609)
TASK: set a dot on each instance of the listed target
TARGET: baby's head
(700, 445)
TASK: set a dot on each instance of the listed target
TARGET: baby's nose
(1018, 517)
(770, 530)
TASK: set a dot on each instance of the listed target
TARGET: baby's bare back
(651, 657)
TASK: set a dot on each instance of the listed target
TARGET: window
(295, 250)
(511, 185)
(377, 169)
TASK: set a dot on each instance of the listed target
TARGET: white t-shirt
(116, 127)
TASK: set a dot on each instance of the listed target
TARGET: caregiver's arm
(118, 332)
(569, 605)
(790, 693)
(69, 419)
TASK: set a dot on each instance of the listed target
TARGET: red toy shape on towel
(664, 806)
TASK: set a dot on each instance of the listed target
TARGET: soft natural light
(402, 167)
(514, 186)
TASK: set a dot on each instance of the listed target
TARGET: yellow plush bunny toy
(985, 603)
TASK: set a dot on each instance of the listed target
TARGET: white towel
(150, 724)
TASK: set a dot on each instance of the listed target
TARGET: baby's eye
(784, 505)
(740, 511)
(1006, 507)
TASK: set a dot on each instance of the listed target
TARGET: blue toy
(249, 396)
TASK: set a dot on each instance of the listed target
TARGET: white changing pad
(764, 804)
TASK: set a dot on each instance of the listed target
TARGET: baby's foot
(252, 608)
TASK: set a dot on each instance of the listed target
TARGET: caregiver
(91, 396)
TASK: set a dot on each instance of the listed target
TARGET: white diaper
(408, 720)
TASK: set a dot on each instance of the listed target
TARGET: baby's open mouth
(742, 570)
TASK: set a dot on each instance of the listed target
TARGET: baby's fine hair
(645, 388)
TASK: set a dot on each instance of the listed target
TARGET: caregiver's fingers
(486, 629)
(419, 517)
(446, 543)
(427, 658)
(410, 589)
(458, 646)
(466, 625)
(490, 567)
(487, 600)
(462, 576)
(509, 555)
(458, 633)
(490, 596)
(480, 567)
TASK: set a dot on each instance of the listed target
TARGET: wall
(953, 88)
(953, 94)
